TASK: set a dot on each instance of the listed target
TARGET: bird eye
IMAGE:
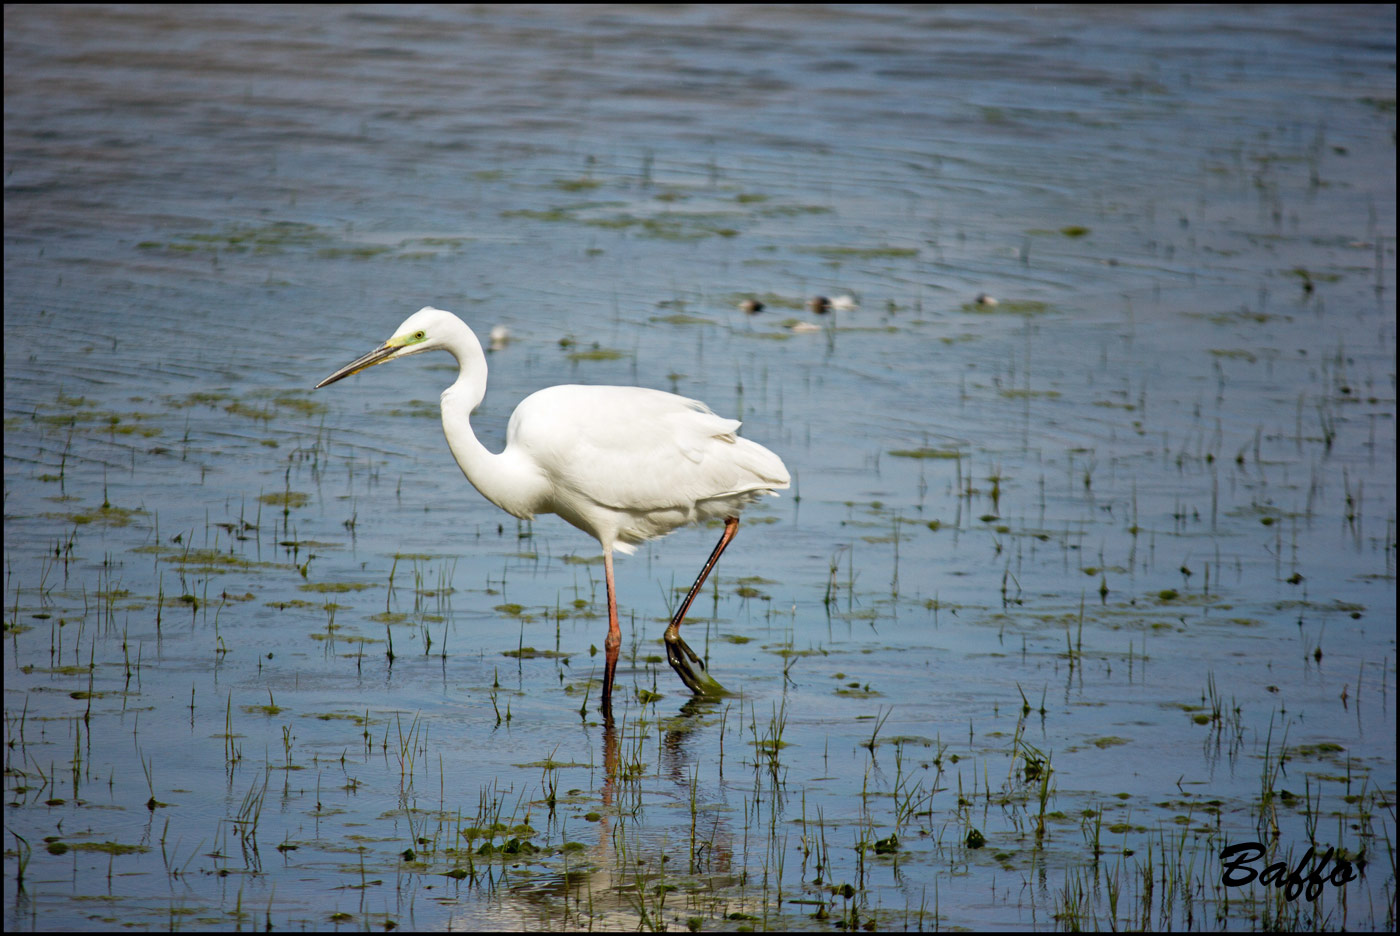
(419, 335)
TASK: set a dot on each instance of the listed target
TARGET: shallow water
(1103, 573)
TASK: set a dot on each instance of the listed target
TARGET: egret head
(424, 330)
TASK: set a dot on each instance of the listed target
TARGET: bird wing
(636, 449)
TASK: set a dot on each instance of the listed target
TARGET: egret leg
(678, 653)
(614, 641)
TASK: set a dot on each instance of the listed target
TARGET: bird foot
(681, 658)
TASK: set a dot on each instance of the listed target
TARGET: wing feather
(638, 450)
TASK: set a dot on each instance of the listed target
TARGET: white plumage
(628, 464)
(623, 464)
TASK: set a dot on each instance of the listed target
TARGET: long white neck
(509, 480)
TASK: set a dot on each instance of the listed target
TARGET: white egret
(623, 464)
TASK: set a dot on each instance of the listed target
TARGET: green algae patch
(358, 720)
(1025, 308)
(1020, 393)
(360, 252)
(209, 560)
(597, 354)
(934, 453)
(530, 653)
(299, 405)
(106, 515)
(863, 253)
(285, 499)
(109, 848)
(270, 709)
(576, 185)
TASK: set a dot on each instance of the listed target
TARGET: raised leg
(614, 641)
(685, 661)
